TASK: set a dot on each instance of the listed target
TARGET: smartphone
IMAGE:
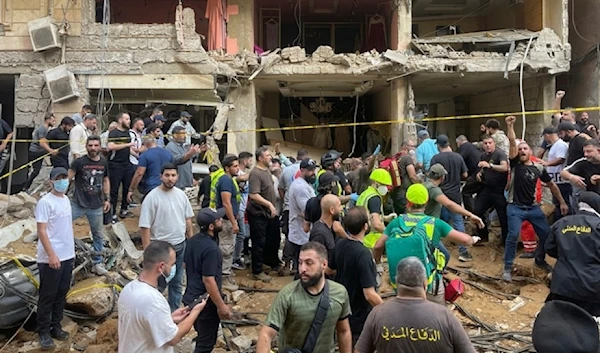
(198, 301)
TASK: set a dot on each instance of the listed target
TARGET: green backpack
(407, 240)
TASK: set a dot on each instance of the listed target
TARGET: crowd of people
(337, 226)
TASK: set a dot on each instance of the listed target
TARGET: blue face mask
(61, 185)
(171, 274)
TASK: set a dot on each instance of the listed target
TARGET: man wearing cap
(203, 265)
(456, 170)
(372, 200)
(167, 215)
(300, 192)
(408, 174)
(425, 151)
(557, 161)
(78, 117)
(154, 125)
(183, 154)
(331, 161)
(184, 122)
(225, 193)
(147, 173)
(435, 229)
(409, 322)
(55, 256)
(522, 204)
(575, 242)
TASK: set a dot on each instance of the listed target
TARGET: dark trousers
(266, 238)
(291, 252)
(487, 199)
(36, 167)
(119, 174)
(207, 327)
(472, 187)
(54, 286)
(565, 190)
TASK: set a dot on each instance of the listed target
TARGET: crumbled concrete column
(243, 116)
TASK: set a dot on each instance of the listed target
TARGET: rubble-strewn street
(504, 307)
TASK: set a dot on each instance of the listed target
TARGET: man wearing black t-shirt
(322, 230)
(522, 204)
(327, 185)
(203, 264)
(119, 165)
(60, 153)
(92, 194)
(355, 269)
(585, 173)
(472, 156)
(492, 175)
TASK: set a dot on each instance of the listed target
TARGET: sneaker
(46, 341)
(229, 284)
(262, 277)
(126, 214)
(238, 265)
(114, 219)
(99, 269)
(527, 255)
(507, 275)
(544, 266)
(59, 334)
(133, 205)
(466, 257)
(284, 271)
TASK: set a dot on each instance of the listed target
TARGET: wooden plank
(269, 123)
(152, 81)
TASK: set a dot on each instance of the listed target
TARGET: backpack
(412, 240)
(391, 165)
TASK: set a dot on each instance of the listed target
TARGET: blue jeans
(516, 215)
(457, 222)
(95, 218)
(175, 293)
(240, 237)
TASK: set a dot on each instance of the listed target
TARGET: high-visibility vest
(363, 200)
(339, 193)
(214, 180)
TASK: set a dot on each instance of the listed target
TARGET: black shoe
(46, 341)
(59, 334)
(527, 255)
(544, 266)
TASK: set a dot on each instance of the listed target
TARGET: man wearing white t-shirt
(557, 161)
(146, 324)
(167, 215)
(55, 255)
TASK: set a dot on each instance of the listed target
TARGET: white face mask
(382, 190)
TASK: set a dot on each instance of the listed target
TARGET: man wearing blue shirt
(426, 150)
(148, 171)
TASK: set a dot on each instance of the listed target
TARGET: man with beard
(328, 184)
(119, 164)
(372, 199)
(184, 122)
(79, 134)
(585, 173)
(147, 173)
(322, 230)
(37, 150)
(301, 190)
(471, 155)
(557, 160)
(294, 308)
(183, 154)
(57, 141)
(157, 122)
(203, 264)
(522, 205)
(167, 215)
(145, 322)
(584, 123)
(78, 117)
(331, 161)
(243, 236)
(262, 216)
(568, 132)
(495, 131)
(91, 196)
(355, 269)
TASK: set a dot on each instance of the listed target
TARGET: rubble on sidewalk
(33, 346)
(92, 296)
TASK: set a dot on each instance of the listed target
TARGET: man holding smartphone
(203, 264)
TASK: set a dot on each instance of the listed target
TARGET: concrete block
(24, 119)
(16, 231)
(34, 81)
(26, 5)
(96, 301)
(28, 93)
(322, 53)
(160, 43)
(241, 343)
(24, 16)
(340, 59)
(27, 105)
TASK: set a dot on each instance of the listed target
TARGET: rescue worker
(331, 161)
(372, 199)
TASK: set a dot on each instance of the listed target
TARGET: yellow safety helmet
(381, 176)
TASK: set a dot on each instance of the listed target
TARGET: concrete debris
(11, 203)
(33, 346)
(294, 54)
(28, 200)
(90, 297)
(186, 345)
(16, 231)
(23, 213)
(322, 53)
(241, 343)
(237, 295)
(340, 59)
(397, 57)
(100, 348)
(30, 238)
(221, 121)
(118, 233)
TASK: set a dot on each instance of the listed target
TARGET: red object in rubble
(454, 289)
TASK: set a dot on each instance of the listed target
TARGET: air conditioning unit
(43, 34)
(61, 83)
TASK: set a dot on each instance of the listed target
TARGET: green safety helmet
(381, 176)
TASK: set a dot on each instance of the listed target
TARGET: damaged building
(287, 66)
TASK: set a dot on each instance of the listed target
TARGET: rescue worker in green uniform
(372, 199)
(416, 234)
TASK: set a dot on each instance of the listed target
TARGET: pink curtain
(215, 12)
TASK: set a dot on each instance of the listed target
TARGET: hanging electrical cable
(354, 128)
(521, 87)
(103, 47)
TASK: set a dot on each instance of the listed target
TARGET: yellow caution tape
(26, 272)
(95, 286)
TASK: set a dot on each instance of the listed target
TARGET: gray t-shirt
(285, 180)
(38, 133)
(165, 213)
(433, 208)
(300, 192)
(184, 169)
(413, 325)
